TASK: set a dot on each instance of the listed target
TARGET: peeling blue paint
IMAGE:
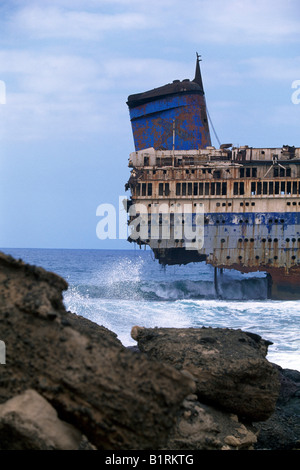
(152, 123)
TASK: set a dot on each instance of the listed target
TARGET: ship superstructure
(241, 205)
(176, 109)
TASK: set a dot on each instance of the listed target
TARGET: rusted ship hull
(248, 199)
(250, 213)
(244, 249)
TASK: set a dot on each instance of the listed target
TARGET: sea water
(123, 288)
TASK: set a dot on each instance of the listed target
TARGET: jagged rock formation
(229, 366)
(118, 399)
(69, 383)
(282, 430)
(200, 426)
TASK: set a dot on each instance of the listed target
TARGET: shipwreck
(241, 204)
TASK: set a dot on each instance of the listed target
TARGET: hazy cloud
(273, 68)
(240, 22)
(54, 22)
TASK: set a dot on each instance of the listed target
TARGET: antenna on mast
(198, 78)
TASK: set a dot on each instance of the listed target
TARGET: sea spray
(120, 289)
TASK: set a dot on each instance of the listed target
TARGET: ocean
(123, 288)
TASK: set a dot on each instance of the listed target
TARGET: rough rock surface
(70, 383)
(229, 366)
(117, 399)
(282, 430)
(200, 427)
(29, 422)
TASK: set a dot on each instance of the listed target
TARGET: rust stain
(252, 216)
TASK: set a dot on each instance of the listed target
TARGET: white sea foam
(121, 289)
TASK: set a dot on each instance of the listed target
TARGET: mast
(198, 77)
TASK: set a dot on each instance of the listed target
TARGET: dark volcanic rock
(282, 430)
(69, 383)
(116, 398)
(229, 366)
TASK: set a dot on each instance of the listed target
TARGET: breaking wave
(137, 289)
(136, 279)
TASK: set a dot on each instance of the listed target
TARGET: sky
(67, 68)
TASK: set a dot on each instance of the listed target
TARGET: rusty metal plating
(250, 197)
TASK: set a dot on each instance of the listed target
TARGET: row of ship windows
(246, 240)
(277, 172)
(268, 188)
(220, 189)
(247, 204)
(257, 257)
(250, 172)
(264, 240)
(246, 221)
(228, 257)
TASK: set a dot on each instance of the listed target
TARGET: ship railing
(176, 162)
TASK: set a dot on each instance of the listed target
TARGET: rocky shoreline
(69, 384)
